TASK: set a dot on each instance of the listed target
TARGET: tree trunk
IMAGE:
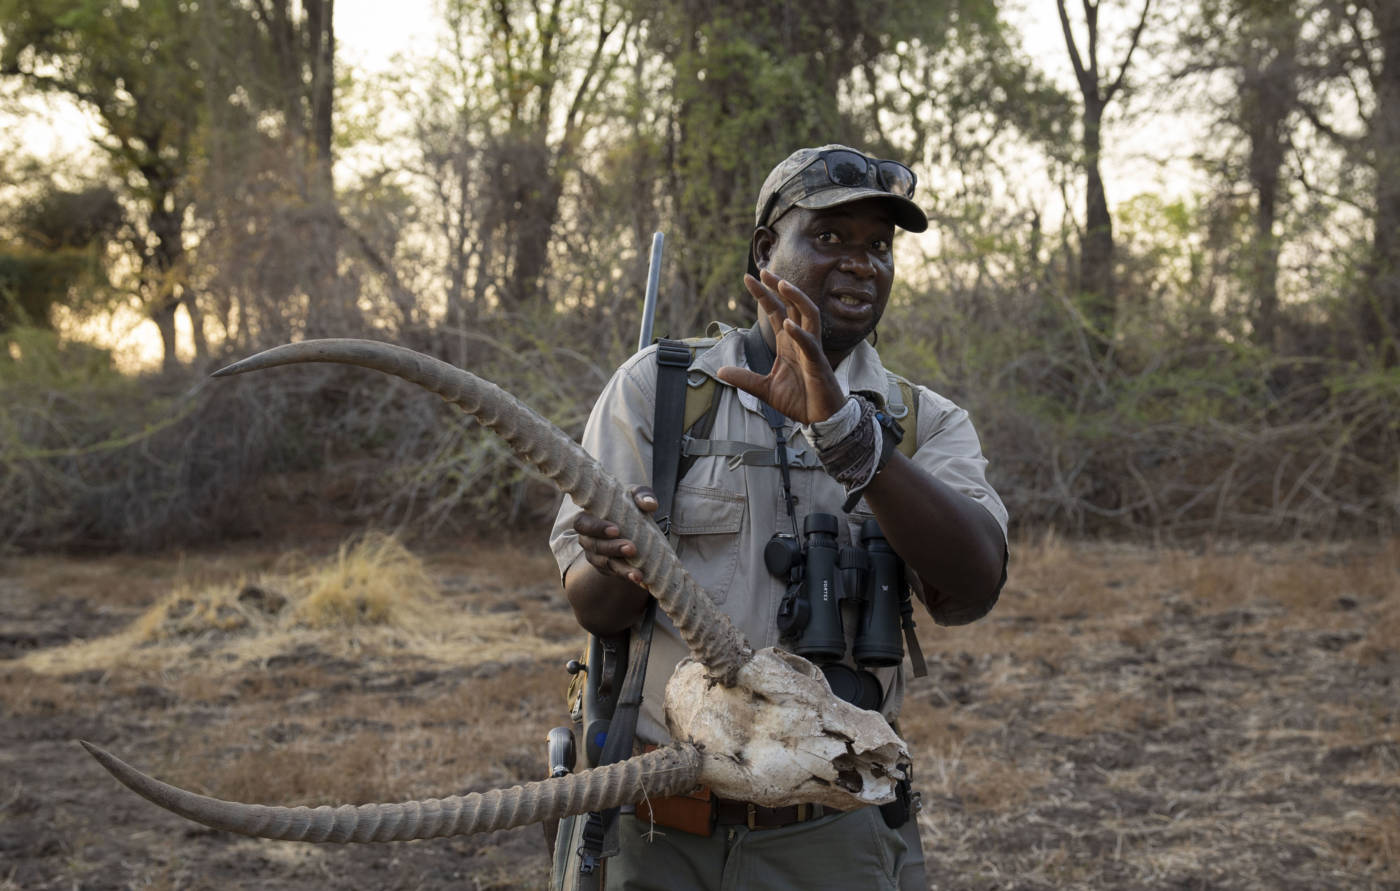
(1380, 322)
(536, 191)
(329, 312)
(1096, 286)
(1266, 148)
(161, 270)
(1096, 282)
(301, 37)
(1264, 265)
(164, 317)
(1268, 95)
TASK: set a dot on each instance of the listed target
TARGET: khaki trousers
(854, 850)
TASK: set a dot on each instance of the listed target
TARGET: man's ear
(761, 249)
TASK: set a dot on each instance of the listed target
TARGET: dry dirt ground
(1208, 718)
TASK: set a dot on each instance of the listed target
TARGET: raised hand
(802, 384)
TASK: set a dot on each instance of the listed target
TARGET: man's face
(842, 258)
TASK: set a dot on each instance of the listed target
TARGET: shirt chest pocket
(706, 527)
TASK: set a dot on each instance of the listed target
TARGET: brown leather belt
(729, 812)
(700, 812)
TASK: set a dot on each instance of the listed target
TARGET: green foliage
(67, 219)
(132, 63)
(749, 83)
(62, 237)
(32, 281)
(36, 359)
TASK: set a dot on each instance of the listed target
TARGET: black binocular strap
(760, 358)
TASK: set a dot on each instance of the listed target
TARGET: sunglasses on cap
(839, 168)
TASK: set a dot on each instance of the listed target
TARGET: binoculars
(820, 575)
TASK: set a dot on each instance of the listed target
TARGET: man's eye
(828, 237)
(881, 245)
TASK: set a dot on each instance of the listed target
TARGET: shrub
(92, 459)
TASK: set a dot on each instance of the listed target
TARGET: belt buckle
(803, 815)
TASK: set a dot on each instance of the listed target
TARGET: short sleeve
(950, 451)
(619, 435)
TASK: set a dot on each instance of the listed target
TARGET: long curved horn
(666, 771)
(709, 633)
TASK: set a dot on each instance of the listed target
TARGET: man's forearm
(602, 604)
(951, 541)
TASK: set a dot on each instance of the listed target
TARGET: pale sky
(370, 32)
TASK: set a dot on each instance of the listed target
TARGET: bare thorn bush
(97, 461)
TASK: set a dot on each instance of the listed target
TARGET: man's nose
(859, 263)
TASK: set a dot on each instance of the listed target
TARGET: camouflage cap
(801, 182)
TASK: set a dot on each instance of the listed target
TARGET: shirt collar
(859, 372)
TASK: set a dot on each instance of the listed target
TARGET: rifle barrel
(653, 283)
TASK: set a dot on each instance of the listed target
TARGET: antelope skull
(763, 727)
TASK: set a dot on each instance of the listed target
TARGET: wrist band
(891, 434)
(869, 439)
(851, 459)
(828, 433)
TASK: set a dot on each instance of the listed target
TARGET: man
(821, 268)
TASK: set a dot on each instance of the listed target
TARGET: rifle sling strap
(600, 833)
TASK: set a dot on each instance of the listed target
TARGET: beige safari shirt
(724, 514)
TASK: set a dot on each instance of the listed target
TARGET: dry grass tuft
(359, 767)
(25, 693)
(190, 612)
(1382, 636)
(1304, 578)
(373, 594)
(373, 581)
(1095, 712)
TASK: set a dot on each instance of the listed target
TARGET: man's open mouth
(852, 302)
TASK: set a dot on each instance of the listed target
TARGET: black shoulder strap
(672, 362)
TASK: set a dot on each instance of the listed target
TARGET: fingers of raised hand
(798, 305)
(780, 305)
(767, 297)
(806, 339)
(743, 379)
